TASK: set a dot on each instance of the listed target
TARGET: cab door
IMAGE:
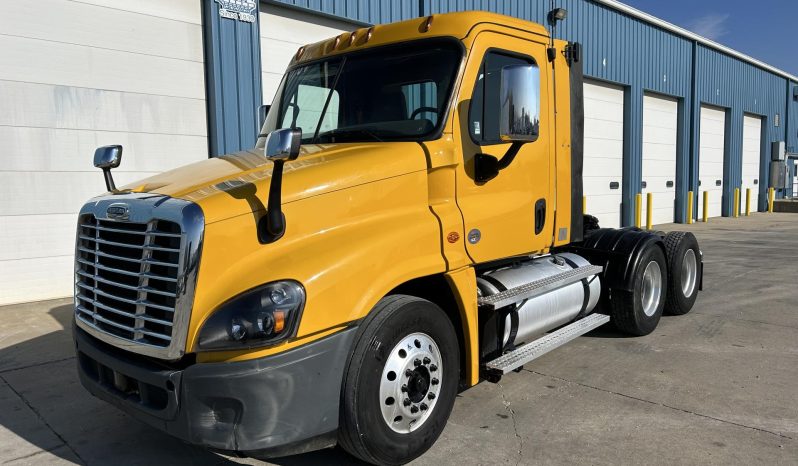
(511, 214)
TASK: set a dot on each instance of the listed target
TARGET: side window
(422, 100)
(304, 98)
(485, 110)
(309, 102)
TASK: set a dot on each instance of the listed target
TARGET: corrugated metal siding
(365, 11)
(742, 88)
(792, 120)
(233, 74)
(643, 58)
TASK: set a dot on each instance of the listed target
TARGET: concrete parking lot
(717, 386)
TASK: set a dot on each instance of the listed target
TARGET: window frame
(499, 51)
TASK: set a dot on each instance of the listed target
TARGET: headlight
(258, 317)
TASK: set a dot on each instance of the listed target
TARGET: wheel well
(436, 289)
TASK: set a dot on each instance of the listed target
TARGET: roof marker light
(427, 24)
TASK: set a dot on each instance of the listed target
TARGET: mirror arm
(109, 180)
(271, 226)
(508, 156)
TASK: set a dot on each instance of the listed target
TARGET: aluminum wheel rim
(689, 273)
(411, 383)
(652, 288)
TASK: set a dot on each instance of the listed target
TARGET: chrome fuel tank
(542, 313)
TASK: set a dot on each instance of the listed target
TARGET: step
(537, 348)
(538, 287)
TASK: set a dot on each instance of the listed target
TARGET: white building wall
(282, 31)
(75, 75)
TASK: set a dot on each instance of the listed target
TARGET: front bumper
(274, 406)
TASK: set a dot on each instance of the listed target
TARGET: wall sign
(238, 9)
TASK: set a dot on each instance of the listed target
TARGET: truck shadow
(43, 404)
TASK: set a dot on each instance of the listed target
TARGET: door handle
(540, 215)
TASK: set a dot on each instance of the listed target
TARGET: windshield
(390, 93)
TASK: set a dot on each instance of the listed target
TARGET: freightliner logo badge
(118, 211)
(238, 9)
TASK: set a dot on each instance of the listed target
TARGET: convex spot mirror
(519, 115)
(106, 157)
(283, 144)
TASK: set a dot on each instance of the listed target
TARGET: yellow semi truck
(409, 223)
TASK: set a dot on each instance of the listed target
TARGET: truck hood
(236, 184)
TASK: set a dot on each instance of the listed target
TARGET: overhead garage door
(603, 167)
(660, 130)
(282, 31)
(752, 151)
(712, 138)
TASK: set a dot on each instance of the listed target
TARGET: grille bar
(135, 232)
(126, 245)
(99, 318)
(126, 272)
(123, 258)
(135, 302)
(123, 313)
(146, 289)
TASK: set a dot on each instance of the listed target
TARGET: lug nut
(426, 360)
(406, 402)
(433, 368)
(404, 388)
(424, 406)
(417, 362)
(431, 396)
(434, 381)
(414, 409)
(408, 373)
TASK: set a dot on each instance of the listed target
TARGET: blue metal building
(624, 48)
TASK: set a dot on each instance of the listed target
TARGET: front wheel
(400, 382)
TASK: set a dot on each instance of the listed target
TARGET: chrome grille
(128, 277)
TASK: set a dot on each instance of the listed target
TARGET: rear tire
(406, 350)
(637, 312)
(684, 263)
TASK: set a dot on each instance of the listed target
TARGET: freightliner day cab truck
(409, 223)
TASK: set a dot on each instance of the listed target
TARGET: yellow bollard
(747, 202)
(649, 209)
(638, 206)
(736, 205)
(771, 191)
(689, 207)
(706, 205)
(584, 205)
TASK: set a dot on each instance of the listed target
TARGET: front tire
(637, 312)
(400, 382)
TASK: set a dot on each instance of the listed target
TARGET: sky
(764, 29)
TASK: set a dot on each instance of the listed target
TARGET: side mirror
(283, 144)
(106, 158)
(519, 116)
